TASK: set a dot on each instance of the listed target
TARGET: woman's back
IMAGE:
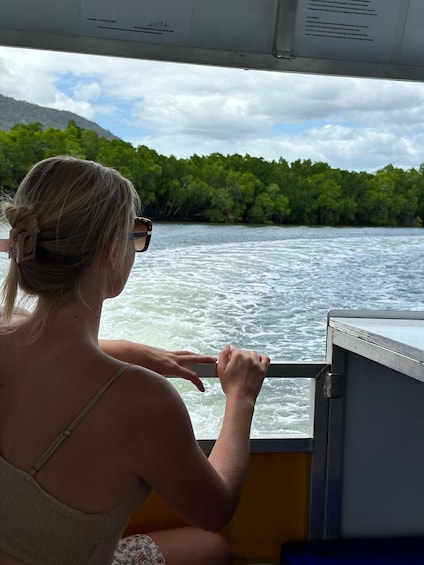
(82, 491)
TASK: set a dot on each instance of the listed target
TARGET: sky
(182, 110)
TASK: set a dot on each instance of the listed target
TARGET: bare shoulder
(145, 396)
(153, 411)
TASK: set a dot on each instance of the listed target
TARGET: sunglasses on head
(141, 234)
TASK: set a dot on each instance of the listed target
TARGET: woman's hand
(167, 363)
(241, 372)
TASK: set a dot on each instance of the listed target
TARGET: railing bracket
(333, 385)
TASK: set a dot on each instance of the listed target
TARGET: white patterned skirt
(138, 550)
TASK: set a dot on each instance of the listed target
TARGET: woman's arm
(167, 456)
(167, 363)
(241, 374)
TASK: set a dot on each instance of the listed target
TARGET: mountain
(18, 112)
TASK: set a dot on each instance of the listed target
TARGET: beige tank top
(38, 529)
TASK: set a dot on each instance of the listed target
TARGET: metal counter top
(390, 338)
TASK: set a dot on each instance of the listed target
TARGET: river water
(270, 288)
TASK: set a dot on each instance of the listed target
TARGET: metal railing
(279, 370)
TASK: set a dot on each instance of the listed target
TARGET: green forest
(228, 188)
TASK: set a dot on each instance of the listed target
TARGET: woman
(88, 429)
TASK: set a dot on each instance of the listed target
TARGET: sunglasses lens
(143, 227)
(140, 225)
(140, 243)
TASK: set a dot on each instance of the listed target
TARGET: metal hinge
(284, 55)
(333, 385)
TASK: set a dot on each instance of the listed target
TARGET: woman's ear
(112, 252)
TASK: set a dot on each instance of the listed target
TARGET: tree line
(228, 189)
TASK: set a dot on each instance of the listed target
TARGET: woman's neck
(71, 320)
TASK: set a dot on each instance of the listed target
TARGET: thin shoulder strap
(66, 433)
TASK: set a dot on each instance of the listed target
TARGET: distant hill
(18, 112)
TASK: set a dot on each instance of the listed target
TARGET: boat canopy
(364, 38)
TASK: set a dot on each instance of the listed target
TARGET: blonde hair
(75, 208)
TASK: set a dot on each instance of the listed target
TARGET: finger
(197, 359)
(264, 361)
(195, 379)
(189, 358)
(224, 356)
(189, 375)
(204, 359)
(198, 383)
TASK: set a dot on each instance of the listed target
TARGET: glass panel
(282, 409)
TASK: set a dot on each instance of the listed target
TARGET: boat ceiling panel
(369, 38)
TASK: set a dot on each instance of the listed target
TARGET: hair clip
(17, 248)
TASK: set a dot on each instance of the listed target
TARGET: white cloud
(87, 92)
(213, 115)
(80, 107)
(181, 109)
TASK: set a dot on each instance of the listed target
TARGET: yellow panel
(153, 515)
(274, 508)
